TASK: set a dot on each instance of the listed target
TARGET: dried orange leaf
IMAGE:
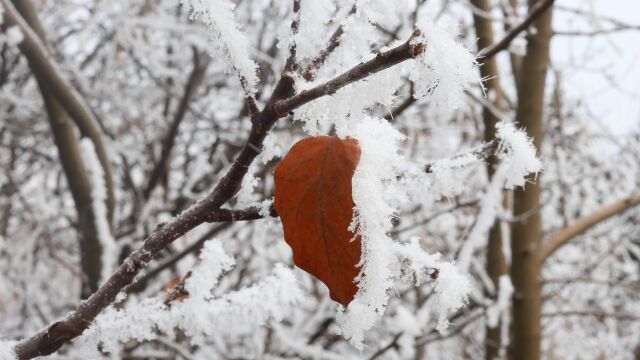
(313, 199)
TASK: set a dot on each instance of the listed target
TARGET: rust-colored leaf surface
(313, 199)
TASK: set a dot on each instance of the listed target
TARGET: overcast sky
(610, 79)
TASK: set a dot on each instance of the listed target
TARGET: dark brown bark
(527, 233)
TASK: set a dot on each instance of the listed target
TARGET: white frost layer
(99, 206)
(241, 311)
(219, 16)
(378, 142)
(444, 70)
(377, 192)
(314, 15)
(503, 300)
(14, 36)
(451, 288)
(6, 347)
(247, 195)
(517, 160)
(521, 159)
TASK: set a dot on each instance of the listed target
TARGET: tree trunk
(496, 264)
(67, 143)
(527, 232)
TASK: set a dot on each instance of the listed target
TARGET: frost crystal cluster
(201, 315)
(219, 16)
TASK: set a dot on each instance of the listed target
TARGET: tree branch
(195, 79)
(310, 71)
(484, 54)
(391, 117)
(221, 215)
(563, 236)
(598, 314)
(484, 152)
(383, 60)
(295, 25)
(70, 156)
(34, 49)
(534, 14)
(597, 32)
(282, 101)
(393, 344)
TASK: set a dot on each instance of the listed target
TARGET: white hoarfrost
(444, 70)
(99, 206)
(384, 180)
(451, 288)
(377, 168)
(502, 303)
(247, 196)
(314, 15)
(14, 36)
(378, 187)
(6, 347)
(520, 159)
(378, 190)
(517, 160)
(350, 104)
(219, 16)
(241, 312)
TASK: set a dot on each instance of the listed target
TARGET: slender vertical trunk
(527, 232)
(66, 140)
(496, 264)
(68, 149)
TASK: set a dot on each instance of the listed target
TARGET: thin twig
(334, 41)
(393, 344)
(160, 169)
(482, 153)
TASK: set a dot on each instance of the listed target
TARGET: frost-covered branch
(57, 334)
(99, 200)
(383, 60)
(563, 236)
(485, 151)
(199, 314)
(334, 42)
(295, 25)
(220, 17)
